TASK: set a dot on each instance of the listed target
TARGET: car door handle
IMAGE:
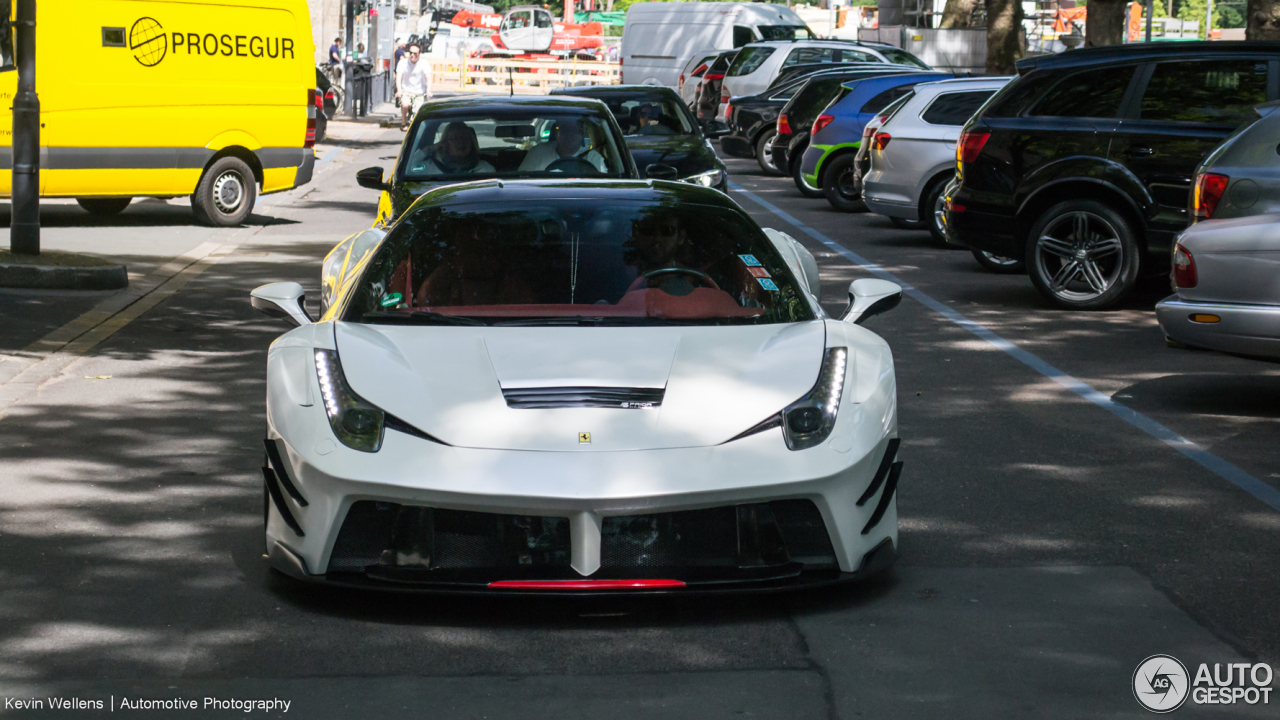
(1140, 151)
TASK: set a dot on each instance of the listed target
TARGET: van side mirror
(281, 300)
(660, 171)
(715, 129)
(869, 297)
(371, 177)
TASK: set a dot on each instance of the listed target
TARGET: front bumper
(590, 526)
(1242, 329)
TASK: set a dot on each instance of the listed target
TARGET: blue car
(837, 132)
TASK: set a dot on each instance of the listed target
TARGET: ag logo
(1160, 683)
(148, 41)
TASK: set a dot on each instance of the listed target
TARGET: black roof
(517, 103)
(611, 91)
(500, 192)
(1144, 51)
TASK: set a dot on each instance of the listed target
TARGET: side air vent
(583, 397)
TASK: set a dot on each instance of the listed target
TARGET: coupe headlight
(809, 420)
(358, 424)
(710, 178)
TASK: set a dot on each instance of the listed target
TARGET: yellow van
(158, 98)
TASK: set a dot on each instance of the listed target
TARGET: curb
(51, 277)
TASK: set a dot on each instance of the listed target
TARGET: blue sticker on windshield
(767, 284)
(750, 261)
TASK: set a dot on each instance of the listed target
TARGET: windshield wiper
(420, 317)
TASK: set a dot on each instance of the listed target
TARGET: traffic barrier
(526, 77)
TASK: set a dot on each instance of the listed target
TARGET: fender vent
(583, 397)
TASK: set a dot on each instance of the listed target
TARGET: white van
(658, 37)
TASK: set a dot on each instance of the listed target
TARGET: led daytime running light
(356, 423)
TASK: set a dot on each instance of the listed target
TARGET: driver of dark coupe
(569, 142)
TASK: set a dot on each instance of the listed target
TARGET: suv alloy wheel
(840, 183)
(1082, 254)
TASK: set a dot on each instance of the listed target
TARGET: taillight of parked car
(821, 122)
(680, 83)
(312, 105)
(970, 146)
(1209, 189)
(712, 76)
(881, 140)
(784, 127)
(1184, 268)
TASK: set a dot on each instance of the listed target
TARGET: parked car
(469, 138)
(913, 153)
(1083, 164)
(749, 441)
(660, 131)
(753, 120)
(1242, 175)
(324, 88)
(842, 180)
(707, 103)
(757, 64)
(658, 37)
(837, 116)
(1226, 294)
(690, 80)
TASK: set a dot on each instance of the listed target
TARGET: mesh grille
(804, 532)
(364, 535)
(679, 539)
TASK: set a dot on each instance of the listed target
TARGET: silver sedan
(1228, 289)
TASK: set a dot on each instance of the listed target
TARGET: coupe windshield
(541, 144)
(577, 262)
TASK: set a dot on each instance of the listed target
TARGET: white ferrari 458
(540, 386)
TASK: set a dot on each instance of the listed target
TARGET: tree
(958, 13)
(1105, 23)
(1006, 42)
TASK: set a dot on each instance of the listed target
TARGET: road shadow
(140, 213)
(1249, 396)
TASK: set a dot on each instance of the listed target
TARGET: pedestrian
(335, 52)
(360, 51)
(413, 83)
(400, 52)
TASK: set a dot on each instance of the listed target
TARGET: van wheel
(226, 193)
(1082, 255)
(840, 183)
(797, 175)
(104, 207)
(763, 156)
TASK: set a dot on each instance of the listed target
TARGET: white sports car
(542, 386)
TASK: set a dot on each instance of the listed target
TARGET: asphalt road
(1047, 545)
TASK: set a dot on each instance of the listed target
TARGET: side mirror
(281, 300)
(659, 171)
(715, 129)
(371, 178)
(869, 297)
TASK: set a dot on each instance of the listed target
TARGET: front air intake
(583, 397)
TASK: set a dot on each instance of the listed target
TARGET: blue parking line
(328, 156)
(1204, 458)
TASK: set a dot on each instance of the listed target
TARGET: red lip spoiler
(585, 584)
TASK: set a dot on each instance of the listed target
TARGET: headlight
(809, 420)
(357, 424)
(710, 178)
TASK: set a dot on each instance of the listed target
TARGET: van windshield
(786, 32)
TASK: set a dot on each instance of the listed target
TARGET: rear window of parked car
(883, 99)
(749, 60)
(1211, 91)
(1095, 94)
(814, 97)
(954, 108)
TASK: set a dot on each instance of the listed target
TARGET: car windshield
(901, 57)
(650, 114)
(537, 144)
(567, 262)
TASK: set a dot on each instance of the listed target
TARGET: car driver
(568, 143)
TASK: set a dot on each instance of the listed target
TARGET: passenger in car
(558, 154)
(649, 121)
(458, 152)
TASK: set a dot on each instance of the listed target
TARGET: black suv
(1083, 163)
